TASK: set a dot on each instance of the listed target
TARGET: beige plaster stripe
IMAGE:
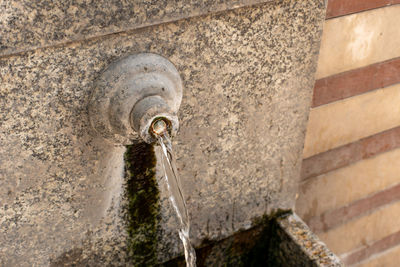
(379, 246)
(386, 259)
(358, 40)
(357, 234)
(345, 155)
(346, 121)
(347, 185)
(334, 218)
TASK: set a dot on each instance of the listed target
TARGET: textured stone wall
(248, 75)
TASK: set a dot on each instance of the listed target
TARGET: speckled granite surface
(298, 246)
(248, 76)
(26, 24)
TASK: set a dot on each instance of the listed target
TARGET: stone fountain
(70, 196)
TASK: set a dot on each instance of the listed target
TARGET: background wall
(350, 182)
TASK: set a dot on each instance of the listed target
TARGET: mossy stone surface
(143, 204)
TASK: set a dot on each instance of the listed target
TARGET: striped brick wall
(350, 180)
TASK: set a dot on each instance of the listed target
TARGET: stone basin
(283, 240)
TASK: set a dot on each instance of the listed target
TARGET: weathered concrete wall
(248, 75)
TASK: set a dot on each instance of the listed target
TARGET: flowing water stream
(176, 197)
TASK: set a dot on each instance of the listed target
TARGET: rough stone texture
(298, 246)
(248, 76)
(26, 24)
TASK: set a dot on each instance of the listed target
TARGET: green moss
(266, 219)
(143, 209)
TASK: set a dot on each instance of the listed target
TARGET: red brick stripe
(354, 82)
(338, 8)
(351, 153)
(334, 218)
(375, 248)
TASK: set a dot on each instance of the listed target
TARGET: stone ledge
(27, 25)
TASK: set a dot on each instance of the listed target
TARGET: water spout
(131, 93)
